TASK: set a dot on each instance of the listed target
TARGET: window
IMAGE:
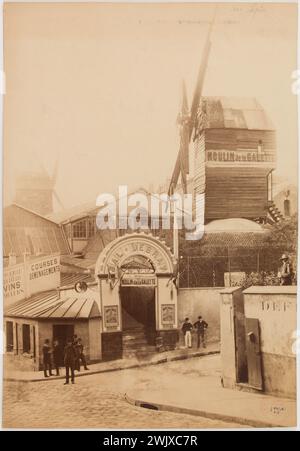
(79, 229)
(9, 336)
(26, 338)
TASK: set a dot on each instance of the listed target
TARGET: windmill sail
(182, 162)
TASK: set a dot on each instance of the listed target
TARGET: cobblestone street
(97, 401)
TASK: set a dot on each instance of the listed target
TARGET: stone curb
(247, 422)
(109, 370)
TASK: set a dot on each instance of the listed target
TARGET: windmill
(53, 179)
(35, 188)
(187, 121)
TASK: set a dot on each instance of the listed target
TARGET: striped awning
(49, 305)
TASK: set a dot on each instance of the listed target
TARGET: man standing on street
(201, 327)
(285, 271)
(47, 357)
(69, 361)
(56, 356)
(81, 356)
(187, 328)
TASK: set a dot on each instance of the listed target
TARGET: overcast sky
(99, 85)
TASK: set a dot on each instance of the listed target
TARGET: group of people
(200, 326)
(73, 357)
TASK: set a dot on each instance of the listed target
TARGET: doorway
(138, 310)
(62, 332)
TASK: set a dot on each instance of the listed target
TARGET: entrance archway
(137, 298)
(137, 293)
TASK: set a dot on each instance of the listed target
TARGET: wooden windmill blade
(175, 175)
(54, 179)
(199, 86)
(201, 75)
(55, 171)
(182, 162)
(58, 199)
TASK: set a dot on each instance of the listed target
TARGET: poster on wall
(168, 315)
(111, 317)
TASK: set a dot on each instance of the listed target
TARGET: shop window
(26, 338)
(79, 230)
(9, 336)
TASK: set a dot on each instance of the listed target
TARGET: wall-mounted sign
(168, 314)
(120, 250)
(30, 277)
(111, 317)
(239, 156)
(14, 283)
(134, 280)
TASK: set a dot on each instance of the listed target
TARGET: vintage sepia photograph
(150, 216)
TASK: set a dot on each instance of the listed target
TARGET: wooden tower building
(234, 156)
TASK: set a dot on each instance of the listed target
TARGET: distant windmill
(35, 188)
(187, 121)
(54, 178)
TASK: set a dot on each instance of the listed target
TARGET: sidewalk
(115, 365)
(204, 396)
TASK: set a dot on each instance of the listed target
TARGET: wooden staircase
(275, 213)
(135, 343)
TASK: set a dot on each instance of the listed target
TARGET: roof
(234, 112)
(27, 231)
(89, 208)
(78, 264)
(67, 279)
(233, 225)
(48, 305)
(73, 213)
(14, 204)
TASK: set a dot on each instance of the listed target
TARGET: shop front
(137, 294)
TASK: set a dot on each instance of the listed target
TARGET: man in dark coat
(76, 348)
(56, 356)
(201, 327)
(81, 356)
(47, 357)
(69, 361)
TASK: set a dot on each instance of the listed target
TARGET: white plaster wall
(227, 340)
(193, 302)
(276, 313)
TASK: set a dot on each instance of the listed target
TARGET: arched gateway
(137, 295)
